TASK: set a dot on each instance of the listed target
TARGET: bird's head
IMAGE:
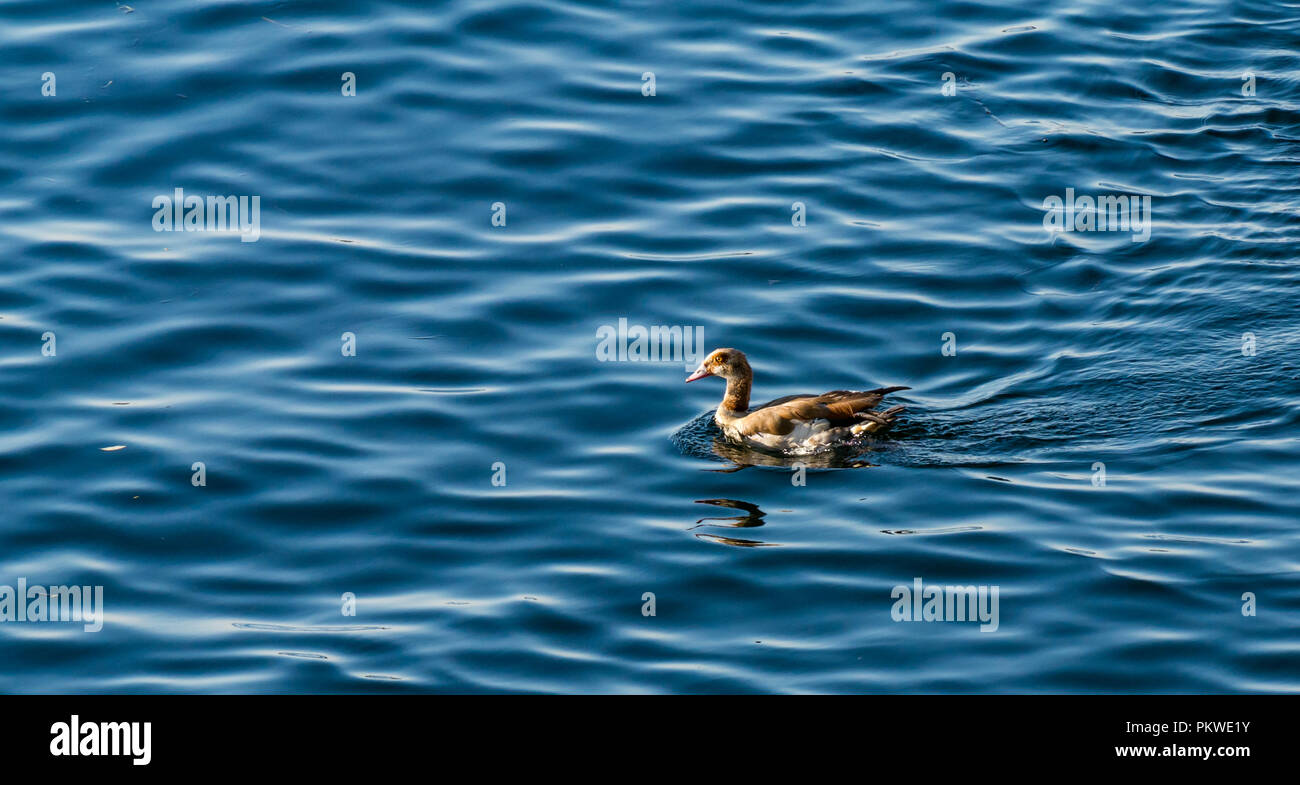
(727, 363)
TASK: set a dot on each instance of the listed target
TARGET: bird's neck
(736, 399)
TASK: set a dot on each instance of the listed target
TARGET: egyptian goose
(795, 422)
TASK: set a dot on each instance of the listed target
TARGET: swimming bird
(795, 422)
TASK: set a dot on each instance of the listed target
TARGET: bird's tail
(875, 422)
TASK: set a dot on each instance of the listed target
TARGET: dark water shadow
(751, 518)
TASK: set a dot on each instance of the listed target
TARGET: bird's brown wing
(781, 400)
(839, 407)
(844, 404)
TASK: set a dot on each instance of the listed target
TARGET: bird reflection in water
(743, 457)
(752, 518)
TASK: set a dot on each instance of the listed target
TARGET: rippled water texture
(1078, 355)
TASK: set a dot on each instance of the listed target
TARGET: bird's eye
(722, 358)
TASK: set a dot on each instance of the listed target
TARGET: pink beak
(699, 373)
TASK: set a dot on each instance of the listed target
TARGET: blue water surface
(1105, 429)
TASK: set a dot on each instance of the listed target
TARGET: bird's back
(837, 408)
